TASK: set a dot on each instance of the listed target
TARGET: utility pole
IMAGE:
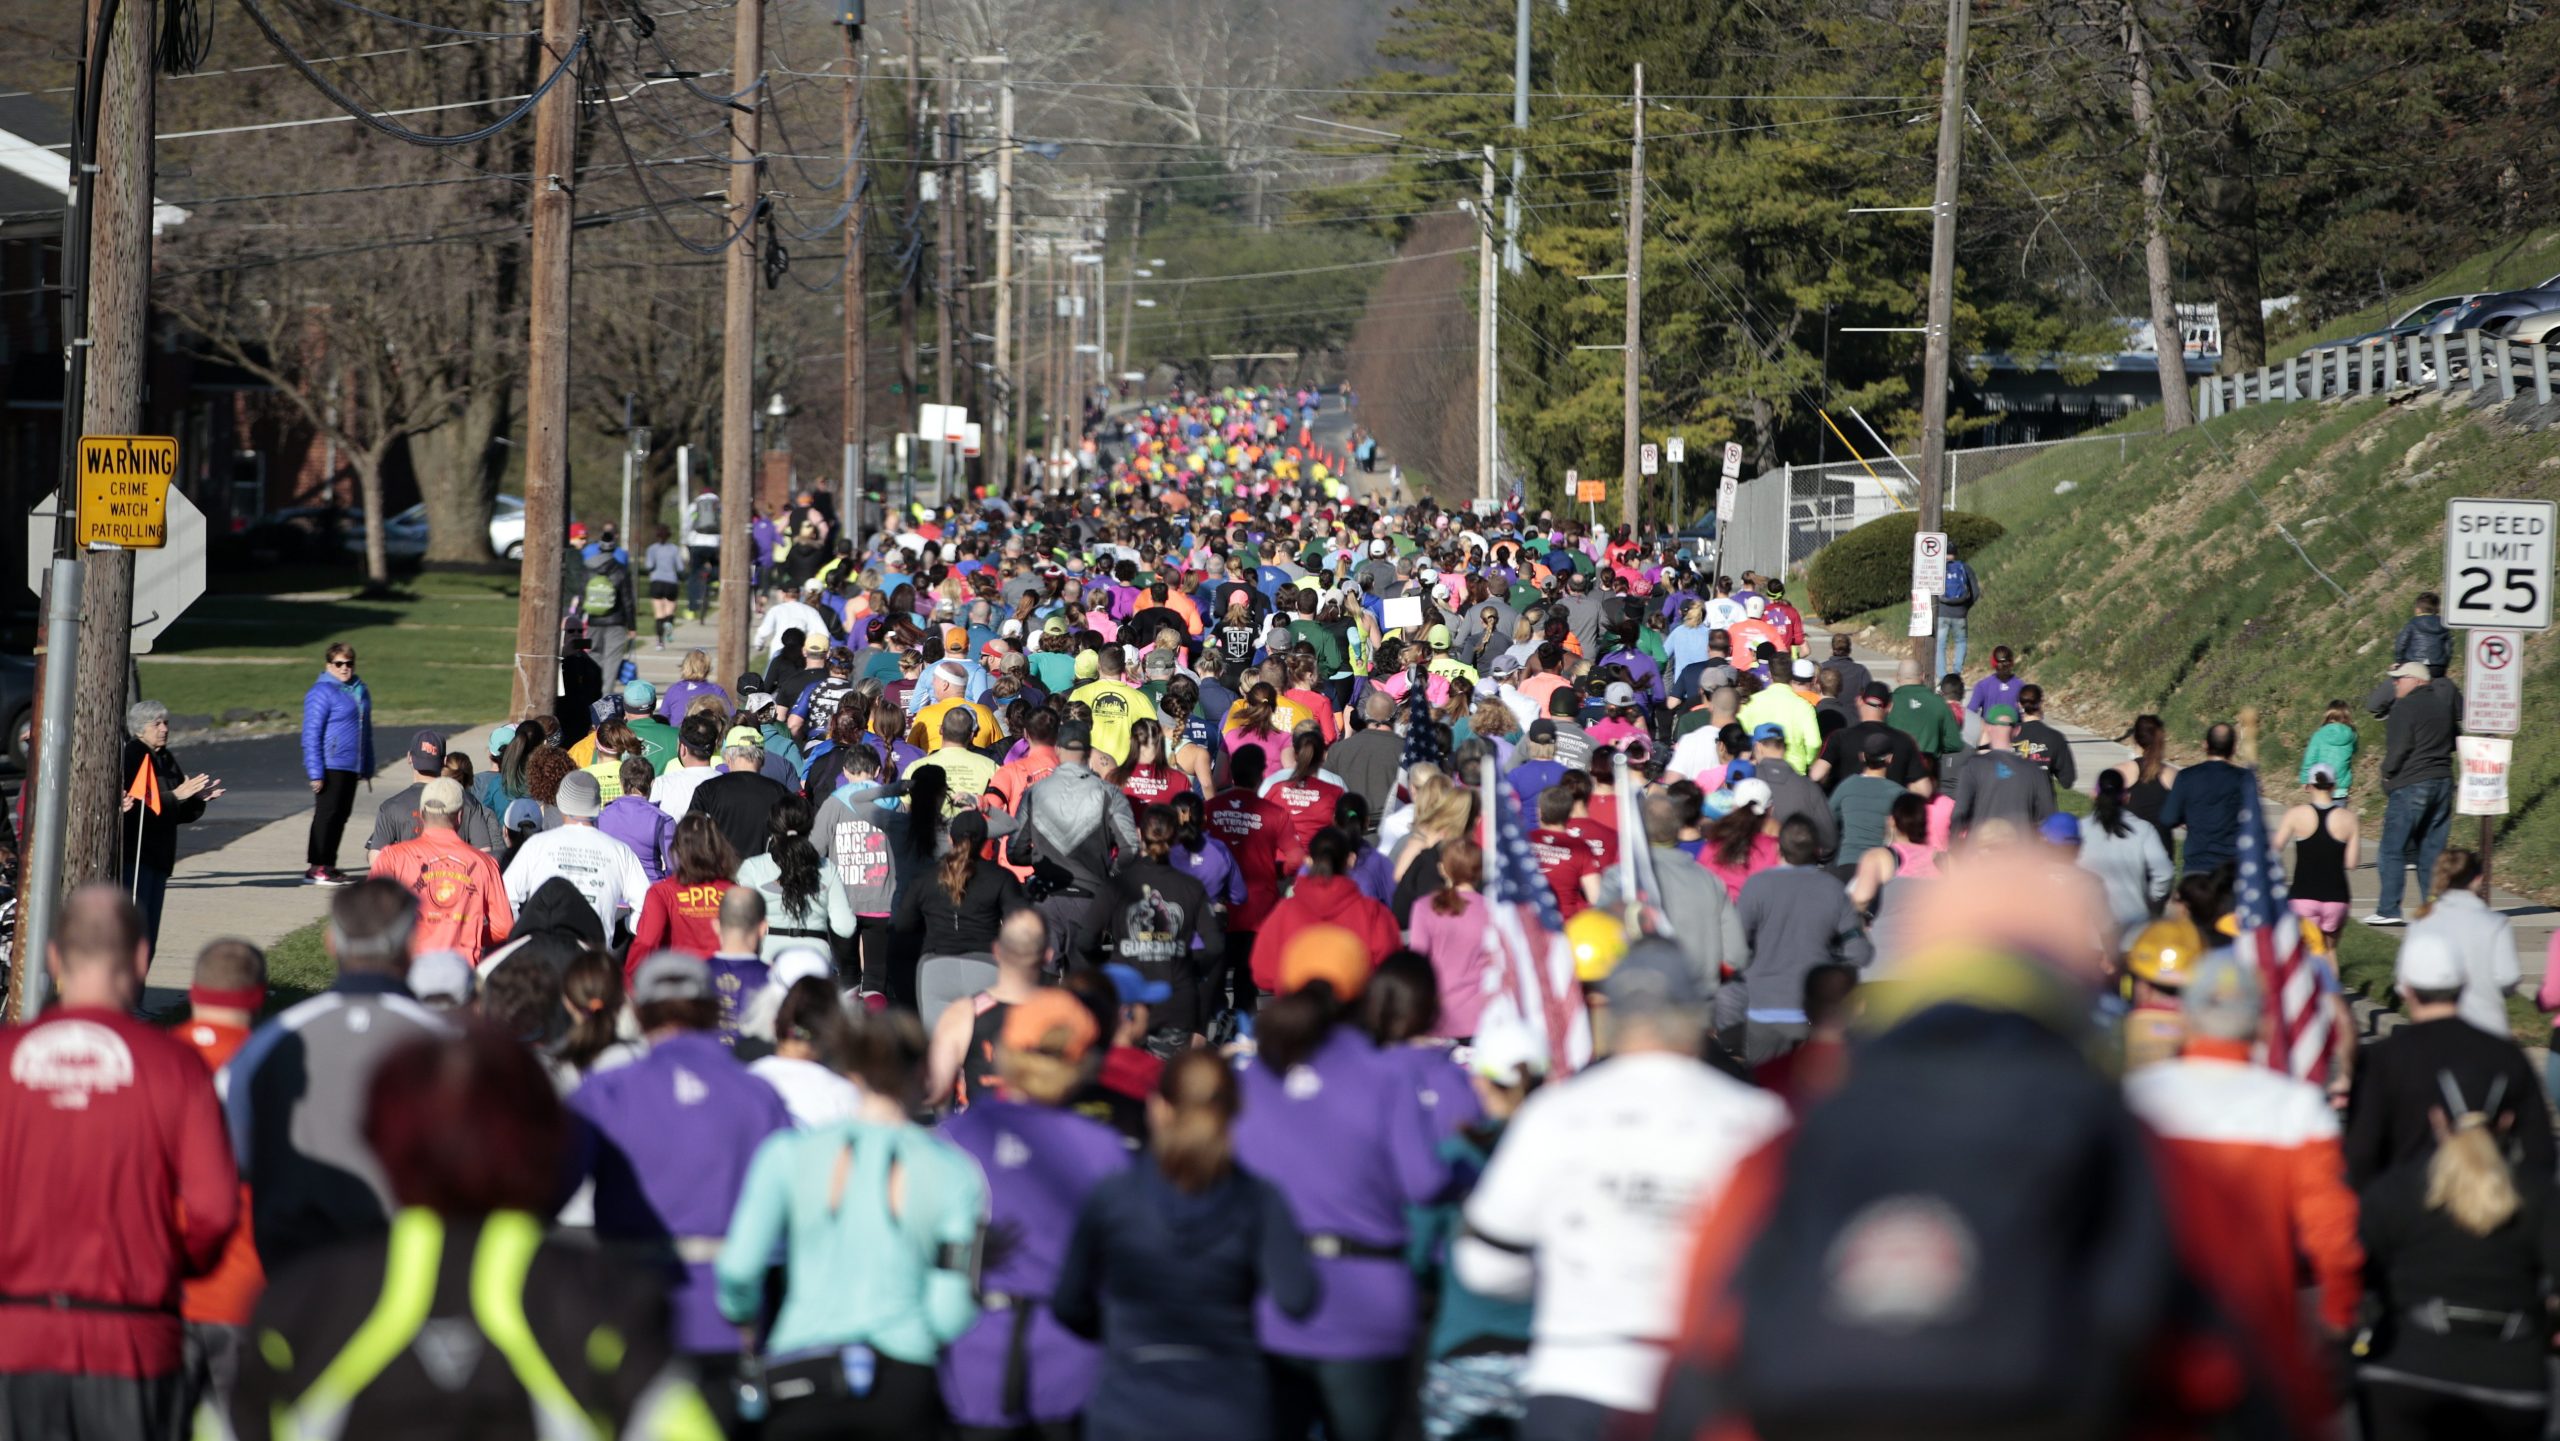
(857, 310)
(119, 349)
(1485, 358)
(1519, 123)
(1020, 285)
(738, 345)
(999, 450)
(1055, 360)
(1635, 309)
(1942, 276)
(546, 456)
(946, 240)
(911, 212)
(1129, 296)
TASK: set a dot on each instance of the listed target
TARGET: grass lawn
(298, 968)
(440, 650)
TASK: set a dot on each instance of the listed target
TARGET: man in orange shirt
(230, 985)
(462, 899)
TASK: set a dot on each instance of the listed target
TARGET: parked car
(2414, 320)
(2494, 313)
(303, 532)
(18, 707)
(2540, 328)
(405, 535)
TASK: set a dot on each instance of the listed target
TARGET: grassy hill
(2526, 260)
(2186, 578)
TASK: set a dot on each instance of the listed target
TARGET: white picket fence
(2376, 367)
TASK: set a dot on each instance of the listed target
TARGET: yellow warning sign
(124, 490)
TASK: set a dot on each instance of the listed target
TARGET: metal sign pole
(42, 883)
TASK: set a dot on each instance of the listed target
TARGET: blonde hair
(1037, 1076)
(1441, 807)
(2468, 1180)
(697, 665)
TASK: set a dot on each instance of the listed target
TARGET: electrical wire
(366, 116)
(632, 159)
(433, 29)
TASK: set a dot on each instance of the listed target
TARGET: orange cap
(955, 641)
(1053, 1022)
(1326, 953)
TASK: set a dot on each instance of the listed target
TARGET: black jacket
(158, 833)
(2424, 640)
(2398, 1082)
(2417, 735)
(967, 928)
(741, 804)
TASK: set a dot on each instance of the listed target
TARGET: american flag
(1526, 932)
(1421, 729)
(2295, 980)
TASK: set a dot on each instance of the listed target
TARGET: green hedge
(1869, 569)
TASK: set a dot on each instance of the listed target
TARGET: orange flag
(146, 785)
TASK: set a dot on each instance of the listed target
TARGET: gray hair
(142, 713)
(370, 924)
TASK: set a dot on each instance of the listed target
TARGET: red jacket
(1265, 844)
(126, 1176)
(676, 916)
(1322, 901)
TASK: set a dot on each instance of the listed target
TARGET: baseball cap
(1619, 693)
(1751, 794)
(750, 683)
(1325, 953)
(1504, 1047)
(1437, 637)
(1088, 667)
(443, 795)
(1542, 731)
(750, 702)
(2062, 828)
(1052, 1022)
(800, 963)
(1075, 736)
(441, 980)
(2323, 776)
(2428, 962)
(968, 830)
(426, 751)
(1876, 747)
(1135, 989)
(1803, 669)
(670, 976)
(2000, 715)
(525, 812)
(2408, 670)
(955, 640)
(814, 643)
(501, 738)
(1654, 975)
(639, 695)
(1377, 547)
(1054, 625)
(742, 738)
(580, 794)
(1878, 692)
(2221, 999)
(1768, 731)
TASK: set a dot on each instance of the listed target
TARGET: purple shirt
(1439, 1082)
(1040, 1162)
(1641, 669)
(1991, 690)
(1214, 867)
(671, 706)
(735, 980)
(673, 1133)
(1346, 1139)
(637, 822)
(1373, 874)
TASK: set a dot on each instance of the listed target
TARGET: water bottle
(751, 1396)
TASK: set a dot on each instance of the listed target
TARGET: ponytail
(1192, 1145)
(1292, 1027)
(2469, 1181)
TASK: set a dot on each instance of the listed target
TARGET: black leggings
(329, 811)
(905, 1402)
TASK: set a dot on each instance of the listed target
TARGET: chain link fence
(1781, 517)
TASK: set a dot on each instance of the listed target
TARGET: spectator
(156, 805)
(337, 751)
(2421, 717)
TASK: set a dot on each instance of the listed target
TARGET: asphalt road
(262, 781)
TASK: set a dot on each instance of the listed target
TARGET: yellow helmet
(2165, 952)
(1598, 940)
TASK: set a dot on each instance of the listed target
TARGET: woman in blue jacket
(337, 750)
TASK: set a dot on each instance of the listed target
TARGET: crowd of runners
(1208, 949)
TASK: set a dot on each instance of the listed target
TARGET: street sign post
(165, 581)
(124, 489)
(2497, 563)
(1675, 450)
(2493, 682)
(1728, 490)
(1929, 561)
(1649, 459)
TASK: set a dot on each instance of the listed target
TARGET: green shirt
(1328, 650)
(1921, 713)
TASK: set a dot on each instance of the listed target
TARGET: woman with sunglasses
(337, 751)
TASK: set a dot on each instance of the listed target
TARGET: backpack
(603, 595)
(1969, 1239)
(1959, 588)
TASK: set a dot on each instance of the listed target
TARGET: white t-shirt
(1723, 611)
(1695, 753)
(1600, 1180)
(814, 1095)
(604, 870)
(673, 790)
(785, 615)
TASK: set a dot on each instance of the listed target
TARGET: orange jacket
(462, 901)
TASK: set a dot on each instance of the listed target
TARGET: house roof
(35, 164)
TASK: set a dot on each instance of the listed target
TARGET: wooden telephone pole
(857, 313)
(546, 457)
(1942, 277)
(999, 439)
(1635, 312)
(738, 347)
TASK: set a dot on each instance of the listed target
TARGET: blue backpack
(1959, 587)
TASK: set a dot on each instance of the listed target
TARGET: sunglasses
(348, 664)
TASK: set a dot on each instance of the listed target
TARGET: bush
(1869, 569)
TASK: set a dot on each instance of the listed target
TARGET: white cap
(798, 964)
(1753, 792)
(1803, 668)
(1377, 547)
(441, 979)
(2428, 962)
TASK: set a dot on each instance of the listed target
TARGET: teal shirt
(2334, 746)
(1054, 670)
(859, 1275)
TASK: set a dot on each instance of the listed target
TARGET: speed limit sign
(2497, 563)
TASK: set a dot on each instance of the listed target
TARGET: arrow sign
(165, 581)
